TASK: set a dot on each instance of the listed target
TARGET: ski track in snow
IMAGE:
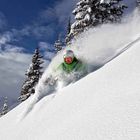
(97, 47)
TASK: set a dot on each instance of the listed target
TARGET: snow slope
(105, 105)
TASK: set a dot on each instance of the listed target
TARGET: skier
(71, 69)
(71, 63)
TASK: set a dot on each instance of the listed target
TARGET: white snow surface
(104, 105)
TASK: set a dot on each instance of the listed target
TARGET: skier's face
(68, 60)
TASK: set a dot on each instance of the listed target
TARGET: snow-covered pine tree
(69, 26)
(67, 39)
(138, 3)
(58, 44)
(90, 13)
(108, 11)
(33, 75)
(5, 107)
(83, 17)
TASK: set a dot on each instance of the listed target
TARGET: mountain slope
(104, 105)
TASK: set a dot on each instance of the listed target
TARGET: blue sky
(20, 12)
(28, 23)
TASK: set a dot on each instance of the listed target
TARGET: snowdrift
(105, 105)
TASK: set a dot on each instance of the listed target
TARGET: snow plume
(96, 47)
(99, 45)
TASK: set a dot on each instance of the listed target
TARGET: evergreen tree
(109, 11)
(138, 3)
(67, 39)
(83, 14)
(5, 107)
(69, 26)
(58, 44)
(33, 75)
(89, 13)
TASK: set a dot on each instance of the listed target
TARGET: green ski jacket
(75, 66)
